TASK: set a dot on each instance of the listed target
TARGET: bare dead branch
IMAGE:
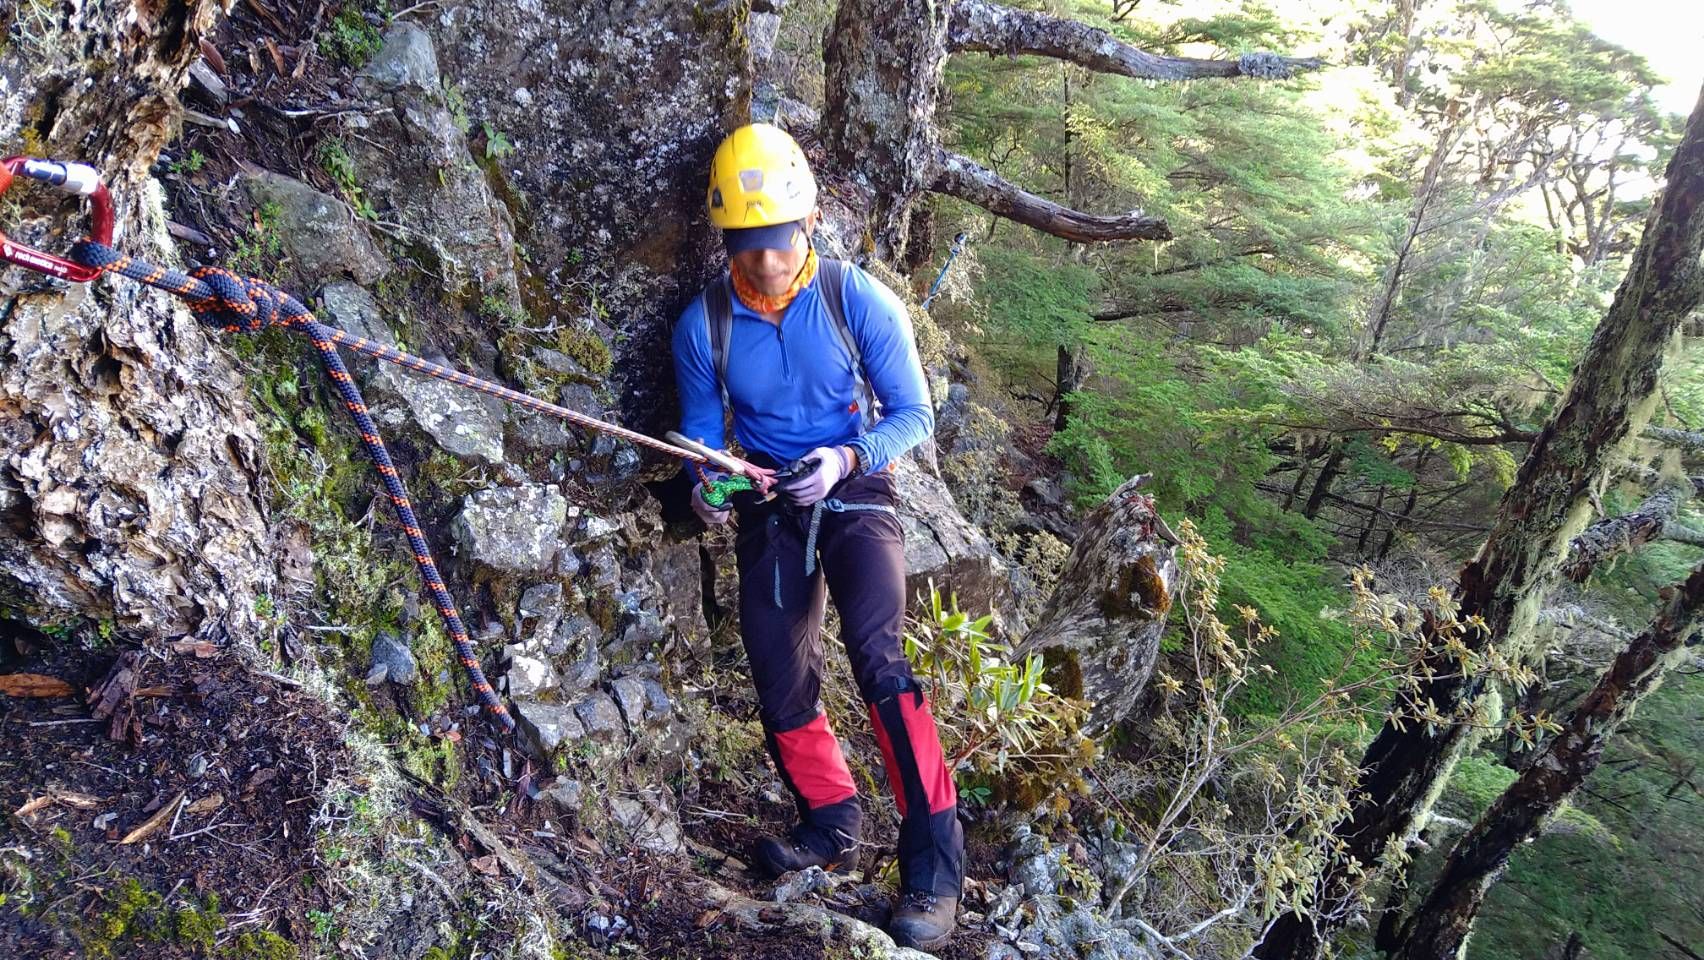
(985, 27)
(962, 177)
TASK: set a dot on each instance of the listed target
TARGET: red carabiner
(76, 178)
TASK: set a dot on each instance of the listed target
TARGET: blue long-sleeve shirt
(792, 386)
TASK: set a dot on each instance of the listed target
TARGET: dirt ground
(237, 761)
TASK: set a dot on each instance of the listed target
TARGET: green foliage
(259, 252)
(335, 160)
(261, 945)
(497, 146)
(189, 164)
(354, 36)
(1001, 723)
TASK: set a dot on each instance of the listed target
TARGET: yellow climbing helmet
(759, 178)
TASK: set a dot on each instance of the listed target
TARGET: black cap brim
(778, 236)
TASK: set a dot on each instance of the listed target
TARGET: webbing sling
(831, 274)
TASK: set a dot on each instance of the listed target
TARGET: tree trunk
(1069, 370)
(1440, 927)
(1407, 507)
(1100, 642)
(1372, 522)
(1384, 302)
(128, 456)
(1328, 474)
(882, 80)
(1609, 402)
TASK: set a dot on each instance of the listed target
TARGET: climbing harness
(232, 303)
(957, 248)
(835, 505)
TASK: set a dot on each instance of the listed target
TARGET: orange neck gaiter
(764, 303)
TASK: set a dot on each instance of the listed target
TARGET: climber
(801, 350)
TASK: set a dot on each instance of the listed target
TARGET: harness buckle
(73, 178)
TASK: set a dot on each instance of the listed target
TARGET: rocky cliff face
(513, 188)
(127, 455)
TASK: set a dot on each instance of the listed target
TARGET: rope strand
(235, 304)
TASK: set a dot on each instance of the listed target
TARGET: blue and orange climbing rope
(235, 304)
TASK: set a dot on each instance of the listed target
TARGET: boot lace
(920, 901)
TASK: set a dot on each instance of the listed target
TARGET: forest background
(1382, 276)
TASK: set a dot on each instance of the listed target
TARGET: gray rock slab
(322, 235)
(546, 726)
(600, 716)
(512, 529)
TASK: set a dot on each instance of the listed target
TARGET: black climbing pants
(851, 548)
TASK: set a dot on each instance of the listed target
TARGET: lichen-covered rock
(600, 716)
(650, 821)
(546, 726)
(528, 676)
(1035, 863)
(462, 421)
(412, 157)
(538, 615)
(942, 547)
(613, 111)
(1101, 628)
(512, 529)
(323, 237)
(800, 884)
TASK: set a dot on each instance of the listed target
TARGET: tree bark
(1100, 642)
(1328, 474)
(968, 180)
(1608, 403)
(990, 28)
(1068, 378)
(1440, 927)
(882, 81)
(128, 455)
(1614, 536)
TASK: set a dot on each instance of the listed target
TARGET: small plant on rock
(1001, 723)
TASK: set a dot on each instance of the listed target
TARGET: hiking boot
(923, 920)
(777, 855)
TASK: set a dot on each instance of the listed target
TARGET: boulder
(392, 660)
(562, 798)
(461, 421)
(613, 111)
(1101, 628)
(600, 716)
(650, 821)
(528, 675)
(512, 529)
(413, 160)
(320, 233)
(546, 726)
(629, 694)
(538, 614)
(942, 547)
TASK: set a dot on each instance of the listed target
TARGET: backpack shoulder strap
(832, 275)
(719, 317)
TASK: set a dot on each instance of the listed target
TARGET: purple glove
(806, 490)
(710, 515)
